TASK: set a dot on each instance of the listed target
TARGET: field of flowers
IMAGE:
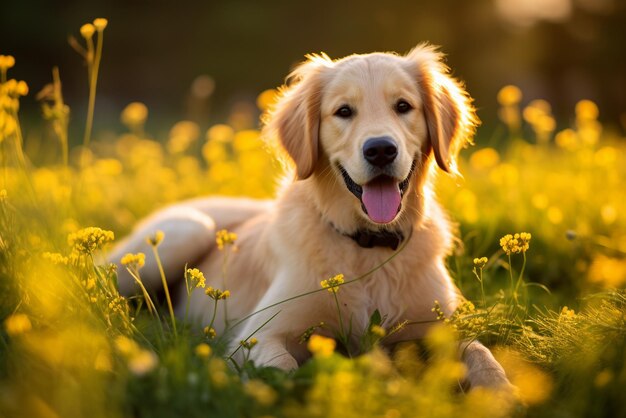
(551, 304)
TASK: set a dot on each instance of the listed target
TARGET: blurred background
(206, 60)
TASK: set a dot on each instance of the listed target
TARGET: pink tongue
(381, 198)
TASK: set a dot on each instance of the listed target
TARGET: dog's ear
(450, 116)
(295, 119)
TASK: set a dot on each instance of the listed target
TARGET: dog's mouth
(381, 197)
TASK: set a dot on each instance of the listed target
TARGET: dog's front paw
(484, 371)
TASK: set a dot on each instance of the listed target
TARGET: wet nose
(380, 151)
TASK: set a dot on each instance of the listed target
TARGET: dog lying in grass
(367, 134)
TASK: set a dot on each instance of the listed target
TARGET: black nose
(380, 151)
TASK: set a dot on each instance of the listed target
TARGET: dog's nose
(380, 151)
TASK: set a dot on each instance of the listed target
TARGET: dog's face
(374, 120)
(372, 130)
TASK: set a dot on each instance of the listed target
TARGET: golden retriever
(366, 134)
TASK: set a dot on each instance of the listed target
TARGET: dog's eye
(403, 106)
(344, 111)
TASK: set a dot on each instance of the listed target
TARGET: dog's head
(373, 122)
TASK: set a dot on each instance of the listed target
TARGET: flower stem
(521, 274)
(344, 337)
(93, 67)
(166, 289)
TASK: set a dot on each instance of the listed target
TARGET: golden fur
(287, 246)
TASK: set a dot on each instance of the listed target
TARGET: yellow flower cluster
(248, 344)
(567, 313)
(195, 278)
(210, 332)
(467, 319)
(17, 323)
(321, 346)
(10, 91)
(332, 284)
(90, 239)
(515, 244)
(480, 262)
(134, 261)
(118, 305)
(140, 361)
(438, 311)
(224, 238)
(56, 258)
(217, 294)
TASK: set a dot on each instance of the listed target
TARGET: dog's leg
(483, 370)
(278, 328)
(188, 235)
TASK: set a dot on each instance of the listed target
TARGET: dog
(367, 135)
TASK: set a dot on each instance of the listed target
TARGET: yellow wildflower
(249, 343)
(134, 261)
(509, 95)
(87, 30)
(321, 346)
(333, 283)
(515, 244)
(224, 238)
(437, 310)
(217, 294)
(155, 240)
(210, 332)
(195, 277)
(17, 323)
(6, 62)
(90, 239)
(378, 331)
(118, 305)
(266, 99)
(134, 114)
(203, 350)
(100, 23)
(567, 313)
(480, 262)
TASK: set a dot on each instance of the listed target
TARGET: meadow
(550, 301)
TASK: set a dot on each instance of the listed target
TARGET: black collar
(367, 238)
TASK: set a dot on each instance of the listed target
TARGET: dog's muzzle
(381, 197)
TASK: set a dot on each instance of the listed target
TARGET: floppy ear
(295, 119)
(450, 116)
